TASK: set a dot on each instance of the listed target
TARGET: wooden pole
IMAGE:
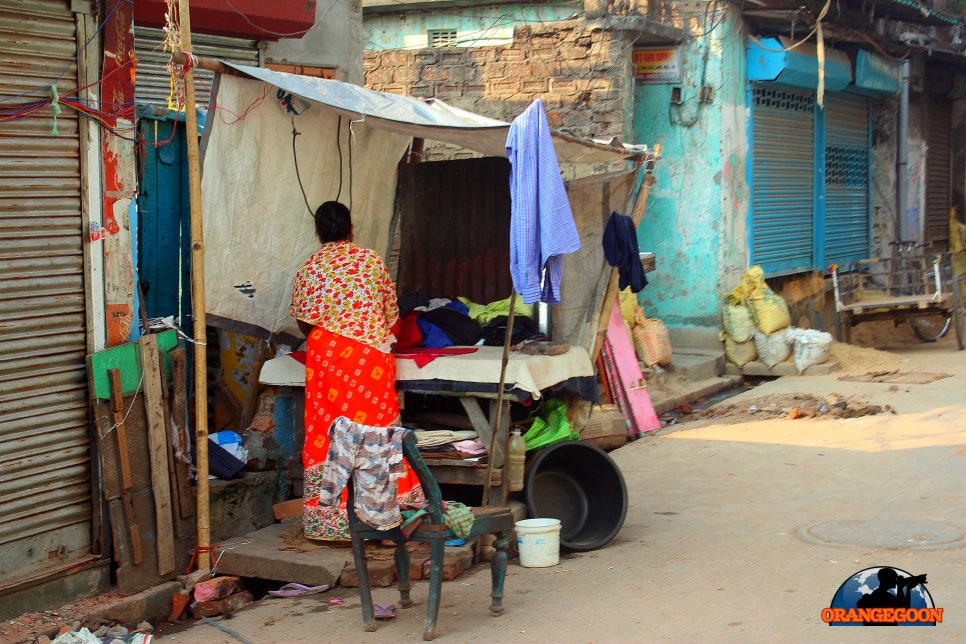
(498, 416)
(197, 299)
(209, 64)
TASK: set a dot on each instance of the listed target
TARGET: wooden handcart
(918, 289)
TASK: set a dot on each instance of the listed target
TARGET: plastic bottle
(516, 460)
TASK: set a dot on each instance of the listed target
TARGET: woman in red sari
(345, 303)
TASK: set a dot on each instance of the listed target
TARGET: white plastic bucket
(538, 541)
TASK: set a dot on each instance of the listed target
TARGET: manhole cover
(885, 532)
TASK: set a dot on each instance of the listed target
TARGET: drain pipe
(902, 157)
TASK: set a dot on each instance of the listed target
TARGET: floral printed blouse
(346, 289)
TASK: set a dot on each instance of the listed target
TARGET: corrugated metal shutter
(153, 83)
(847, 161)
(782, 180)
(45, 469)
(938, 170)
(455, 233)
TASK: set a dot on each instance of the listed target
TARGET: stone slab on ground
(787, 368)
(689, 392)
(257, 555)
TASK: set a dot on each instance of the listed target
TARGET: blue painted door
(847, 161)
(782, 179)
(164, 232)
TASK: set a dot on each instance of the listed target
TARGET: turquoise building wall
(475, 26)
(695, 219)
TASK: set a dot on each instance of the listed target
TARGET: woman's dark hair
(332, 222)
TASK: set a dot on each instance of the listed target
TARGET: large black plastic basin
(578, 483)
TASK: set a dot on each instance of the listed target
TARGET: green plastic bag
(550, 426)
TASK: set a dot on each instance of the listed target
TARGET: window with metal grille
(441, 37)
(846, 166)
(780, 99)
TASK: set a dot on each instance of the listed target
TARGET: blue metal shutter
(847, 161)
(783, 177)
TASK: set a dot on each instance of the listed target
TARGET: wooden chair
(432, 530)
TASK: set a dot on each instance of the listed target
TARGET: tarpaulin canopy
(269, 136)
(425, 118)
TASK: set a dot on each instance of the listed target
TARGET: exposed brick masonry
(582, 75)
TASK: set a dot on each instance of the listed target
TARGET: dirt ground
(842, 395)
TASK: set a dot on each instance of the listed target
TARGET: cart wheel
(930, 328)
(958, 321)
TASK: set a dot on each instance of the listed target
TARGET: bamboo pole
(498, 416)
(197, 299)
(209, 64)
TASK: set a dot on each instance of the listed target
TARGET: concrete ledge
(151, 605)
(258, 555)
(787, 368)
(663, 401)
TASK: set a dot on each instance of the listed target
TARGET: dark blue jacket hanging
(621, 250)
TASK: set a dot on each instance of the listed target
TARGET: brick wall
(582, 75)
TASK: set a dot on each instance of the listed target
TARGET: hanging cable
(338, 139)
(295, 157)
(350, 167)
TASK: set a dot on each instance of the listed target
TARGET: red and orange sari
(346, 293)
(344, 377)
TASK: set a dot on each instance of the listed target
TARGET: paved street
(735, 532)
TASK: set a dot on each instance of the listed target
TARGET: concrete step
(696, 364)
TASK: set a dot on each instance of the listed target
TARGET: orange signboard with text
(657, 64)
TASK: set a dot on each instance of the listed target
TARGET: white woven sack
(811, 347)
(773, 347)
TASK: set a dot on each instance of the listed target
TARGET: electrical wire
(73, 62)
(276, 33)
(471, 36)
(295, 158)
(338, 139)
(704, 70)
(350, 137)
(253, 105)
(818, 24)
(107, 120)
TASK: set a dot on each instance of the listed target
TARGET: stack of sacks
(757, 325)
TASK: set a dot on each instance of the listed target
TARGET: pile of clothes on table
(443, 322)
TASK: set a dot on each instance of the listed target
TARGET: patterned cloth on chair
(373, 457)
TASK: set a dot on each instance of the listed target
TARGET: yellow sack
(768, 310)
(957, 244)
(737, 322)
(652, 344)
(628, 303)
(740, 353)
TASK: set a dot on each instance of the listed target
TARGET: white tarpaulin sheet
(258, 229)
(429, 119)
